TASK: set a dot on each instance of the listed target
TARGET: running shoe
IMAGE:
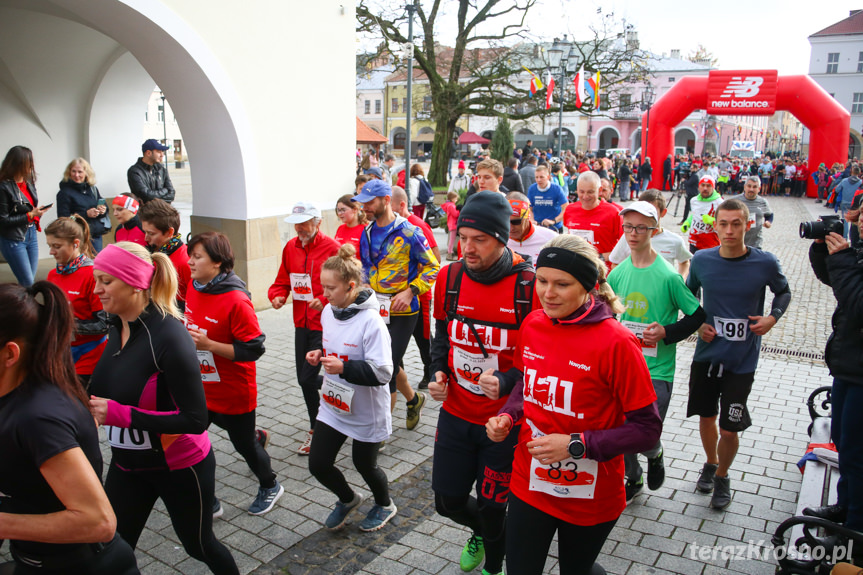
(262, 436)
(266, 499)
(472, 554)
(217, 508)
(378, 517)
(306, 447)
(721, 492)
(424, 383)
(705, 480)
(339, 516)
(633, 488)
(413, 417)
(655, 472)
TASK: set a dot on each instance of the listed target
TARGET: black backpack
(425, 193)
(522, 298)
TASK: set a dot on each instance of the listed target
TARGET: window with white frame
(368, 108)
(857, 104)
(833, 62)
(860, 63)
(377, 106)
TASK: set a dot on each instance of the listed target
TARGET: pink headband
(124, 266)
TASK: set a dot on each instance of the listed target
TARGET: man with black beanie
(479, 304)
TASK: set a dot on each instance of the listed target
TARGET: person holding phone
(20, 214)
(79, 195)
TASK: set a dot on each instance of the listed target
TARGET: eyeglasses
(343, 210)
(516, 222)
(637, 229)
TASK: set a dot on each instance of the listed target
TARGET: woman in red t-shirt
(125, 209)
(353, 222)
(70, 245)
(586, 399)
(221, 319)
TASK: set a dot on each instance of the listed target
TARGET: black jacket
(150, 182)
(14, 208)
(512, 180)
(843, 271)
(645, 172)
(691, 185)
(77, 199)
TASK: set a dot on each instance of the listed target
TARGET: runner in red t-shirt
(125, 209)
(221, 320)
(353, 222)
(69, 243)
(590, 218)
(161, 224)
(586, 399)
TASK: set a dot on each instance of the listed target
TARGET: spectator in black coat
(79, 195)
(645, 172)
(511, 177)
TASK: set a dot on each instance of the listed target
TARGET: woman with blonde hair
(147, 392)
(355, 398)
(586, 399)
(79, 195)
(69, 245)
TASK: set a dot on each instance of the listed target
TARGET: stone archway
(685, 137)
(607, 137)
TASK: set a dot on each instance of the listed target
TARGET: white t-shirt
(669, 245)
(364, 337)
(532, 245)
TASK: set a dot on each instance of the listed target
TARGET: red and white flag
(549, 92)
(580, 94)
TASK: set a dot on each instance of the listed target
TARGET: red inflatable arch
(752, 93)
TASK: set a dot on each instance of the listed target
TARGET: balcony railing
(627, 113)
(423, 115)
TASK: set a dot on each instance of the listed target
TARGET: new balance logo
(742, 88)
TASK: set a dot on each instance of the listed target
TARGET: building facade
(836, 64)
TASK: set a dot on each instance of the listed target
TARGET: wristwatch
(414, 289)
(576, 446)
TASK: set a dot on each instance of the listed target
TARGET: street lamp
(647, 96)
(164, 126)
(558, 56)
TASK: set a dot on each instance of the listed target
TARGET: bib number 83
(565, 470)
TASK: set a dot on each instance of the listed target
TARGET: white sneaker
(306, 447)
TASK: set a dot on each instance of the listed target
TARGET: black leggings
(401, 329)
(482, 519)
(241, 431)
(188, 495)
(529, 532)
(308, 376)
(325, 448)
(422, 336)
(116, 558)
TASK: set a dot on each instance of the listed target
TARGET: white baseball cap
(303, 212)
(643, 208)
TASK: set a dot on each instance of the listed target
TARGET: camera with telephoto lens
(818, 230)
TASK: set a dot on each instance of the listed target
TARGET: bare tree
(702, 55)
(482, 72)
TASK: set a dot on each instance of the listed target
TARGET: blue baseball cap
(153, 145)
(373, 189)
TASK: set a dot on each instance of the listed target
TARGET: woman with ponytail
(147, 392)
(69, 244)
(52, 505)
(355, 397)
(586, 399)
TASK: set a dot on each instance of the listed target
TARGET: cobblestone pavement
(658, 533)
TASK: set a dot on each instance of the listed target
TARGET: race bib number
(469, 366)
(208, 366)
(337, 396)
(128, 438)
(384, 301)
(567, 479)
(301, 285)
(731, 329)
(648, 349)
(584, 234)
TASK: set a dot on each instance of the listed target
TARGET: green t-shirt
(652, 294)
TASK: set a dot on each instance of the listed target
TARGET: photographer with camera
(840, 266)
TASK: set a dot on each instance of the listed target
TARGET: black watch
(576, 447)
(414, 289)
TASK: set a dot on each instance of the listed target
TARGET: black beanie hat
(487, 212)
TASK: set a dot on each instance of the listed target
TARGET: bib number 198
(731, 329)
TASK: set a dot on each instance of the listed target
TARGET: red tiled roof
(853, 24)
(366, 135)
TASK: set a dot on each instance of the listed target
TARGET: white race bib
(337, 396)
(208, 366)
(128, 438)
(569, 479)
(384, 301)
(301, 285)
(649, 350)
(730, 328)
(469, 366)
(584, 234)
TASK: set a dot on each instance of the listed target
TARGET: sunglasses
(516, 222)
